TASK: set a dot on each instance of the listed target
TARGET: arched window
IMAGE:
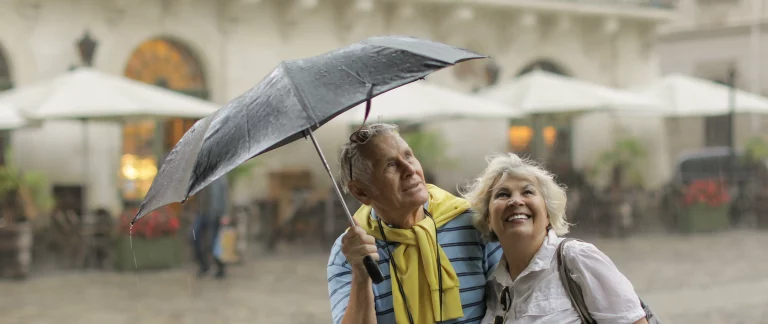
(5, 72)
(556, 136)
(169, 64)
(479, 74)
(544, 65)
(5, 84)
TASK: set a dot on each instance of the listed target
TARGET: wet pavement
(709, 278)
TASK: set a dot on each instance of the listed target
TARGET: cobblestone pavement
(714, 278)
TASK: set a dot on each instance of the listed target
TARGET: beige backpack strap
(571, 287)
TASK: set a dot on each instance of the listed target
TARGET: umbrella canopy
(295, 99)
(85, 93)
(683, 95)
(422, 101)
(540, 92)
(10, 118)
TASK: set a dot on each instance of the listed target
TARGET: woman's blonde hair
(503, 165)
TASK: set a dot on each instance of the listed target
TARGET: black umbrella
(295, 99)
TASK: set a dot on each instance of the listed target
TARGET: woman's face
(517, 210)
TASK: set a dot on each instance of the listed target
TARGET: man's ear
(359, 192)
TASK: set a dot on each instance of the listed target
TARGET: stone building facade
(706, 39)
(217, 49)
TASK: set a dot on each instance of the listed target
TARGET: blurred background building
(634, 128)
(218, 49)
(708, 39)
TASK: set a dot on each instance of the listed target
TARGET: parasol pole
(84, 193)
(370, 265)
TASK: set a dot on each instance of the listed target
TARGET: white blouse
(538, 295)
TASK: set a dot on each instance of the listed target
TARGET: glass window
(170, 65)
(5, 72)
(5, 84)
(521, 138)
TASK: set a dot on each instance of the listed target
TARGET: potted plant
(705, 204)
(624, 160)
(24, 196)
(622, 166)
(756, 150)
(29, 191)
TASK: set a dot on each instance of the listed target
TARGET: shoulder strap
(577, 298)
(571, 286)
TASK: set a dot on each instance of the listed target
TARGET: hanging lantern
(86, 47)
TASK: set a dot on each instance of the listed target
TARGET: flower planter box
(151, 253)
(703, 218)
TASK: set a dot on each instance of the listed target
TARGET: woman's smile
(517, 218)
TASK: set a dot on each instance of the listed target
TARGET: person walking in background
(212, 206)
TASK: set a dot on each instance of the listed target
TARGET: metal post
(86, 170)
(755, 35)
(370, 265)
(731, 128)
(756, 66)
(333, 180)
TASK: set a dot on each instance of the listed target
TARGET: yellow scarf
(417, 261)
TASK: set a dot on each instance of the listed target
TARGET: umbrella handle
(370, 265)
(373, 269)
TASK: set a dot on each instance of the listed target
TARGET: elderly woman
(519, 204)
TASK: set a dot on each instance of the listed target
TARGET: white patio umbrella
(422, 101)
(684, 95)
(85, 93)
(10, 119)
(541, 92)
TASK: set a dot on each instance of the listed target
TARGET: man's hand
(356, 244)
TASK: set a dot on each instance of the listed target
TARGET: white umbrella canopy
(684, 95)
(423, 102)
(541, 92)
(10, 118)
(85, 93)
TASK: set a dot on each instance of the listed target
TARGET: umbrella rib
(355, 75)
(299, 97)
(368, 96)
(248, 133)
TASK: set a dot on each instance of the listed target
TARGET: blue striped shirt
(472, 259)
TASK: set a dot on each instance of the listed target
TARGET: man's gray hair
(351, 156)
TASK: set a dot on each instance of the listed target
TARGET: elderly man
(406, 224)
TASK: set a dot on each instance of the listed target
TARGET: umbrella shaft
(330, 174)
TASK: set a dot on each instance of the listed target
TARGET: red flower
(157, 223)
(712, 192)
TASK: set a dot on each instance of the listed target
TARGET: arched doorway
(554, 132)
(169, 64)
(5, 84)
(478, 74)
(543, 65)
(5, 71)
